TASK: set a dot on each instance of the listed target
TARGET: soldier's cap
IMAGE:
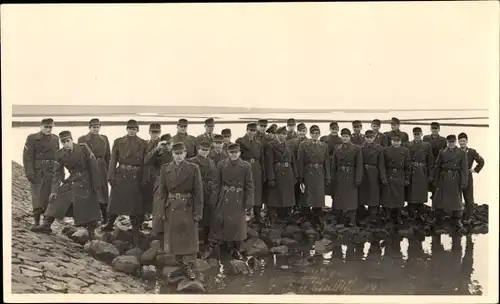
(314, 128)
(369, 133)
(395, 121)
(345, 131)
(205, 145)
(178, 146)
(251, 125)
(65, 135)
(210, 122)
(356, 123)
(47, 122)
(272, 129)
(132, 123)
(218, 138)
(291, 121)
(395, 138)
(94, 122)
(301, 126)
(376, 122)
(417, 130)
(334, 124)
(435, 125)
(233, 147)
(281, 130)
(155, 127)
(182, 122)
(166, 137)
(451, 137)
(462, 135)
(226, 132)
(262, 122)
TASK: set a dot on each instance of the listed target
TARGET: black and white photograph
(288, 152)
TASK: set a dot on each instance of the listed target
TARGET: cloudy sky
(293, 55)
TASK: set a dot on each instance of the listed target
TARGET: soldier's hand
(112, 182)
(472, 171)
(31, 178)
(161, 144)
(385, 182)
(197, 218)
(52, 197)
(271, 183)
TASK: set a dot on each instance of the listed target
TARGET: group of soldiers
(208, 183)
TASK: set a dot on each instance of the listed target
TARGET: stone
(191, 286)
(201, 265)
(29, 256)
(291, 230)
(256, 247)
(122, 246)
(148, 272)
(56, 286)
(103, 251)
(238, 267)
(405, 232)
(31, 273)
(127, 264)
(280, 249)
(75, 283)
(68, 230)
(81, 236)
(86, 248)
(252, 233)
(122, 234)
(137, 252)
(213, 263)
(15, 261)
(149, 256)
(164, 259)
(322, 246)
(167, 270)
(155, 244)
(289, 242)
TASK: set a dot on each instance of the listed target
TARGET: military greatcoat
(422, 164)
(373, 174)
(451, 176)
(347, 173)
(252, 151)
(281, 169)
(397, 167)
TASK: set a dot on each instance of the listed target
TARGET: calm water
(433, 266)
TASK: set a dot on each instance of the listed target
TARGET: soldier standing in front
(99, 145)
(182, 136)
(181, 190)
(294, 144)
(38, 159)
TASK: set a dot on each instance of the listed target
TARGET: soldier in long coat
(207, 169)
(380, 138)
(226, 138)
(451, 178)
(208, 136)
(281, 176)
(313, 168)
(472, 156)
(395, 131)
(422, 164)
(182, 136)
(332, 140)
(397, 166)
(75, 196)
(269, 137)
(233, 192)
(156, 158)
(290, 126)
(38, 159)
(181, 190)
(374, 176)
(218, 153)
(128, 179)
(347, 175)
(357, 137)
(261, 128)
(148, 191)
(252, 151)
(438, 143)
(99, 145)
(294, 144)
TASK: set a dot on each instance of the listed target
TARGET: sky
(279, 55)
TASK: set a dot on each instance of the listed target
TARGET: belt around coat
(283, 164)
(179, 195)
(129, 167)
(315, 165)
(233, 188)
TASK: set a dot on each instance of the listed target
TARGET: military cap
(395, 138)
(291, 121)
(376, 122)
(334, 124)
(369, 133)
(47, 122)
(262, 122)
(251, 125)
(132, 123)
(356, 123)
(462, 135)
(182, 122)
(272, 129)
(94, 122)
(314, 128)
(218, 137)
(154, 127)
(345, 131)
(166, 137)
(179, 146)
(225, 132)
(210, 122)
(435, 124)
(281, 130)
(233, 147)
(301, 126)
(205, 144)
(395, 121)
(417, 130)
(64, 135)
(451, 137)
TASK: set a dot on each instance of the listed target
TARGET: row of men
(270, 166)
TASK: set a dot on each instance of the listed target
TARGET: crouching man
(76, 196)
(233, 193)
(181, 188)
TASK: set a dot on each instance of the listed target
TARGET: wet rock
(56, 286)
(312, 234)
(127, 264)
(163, 260)
(305, 226)
(68, 230)
(483, 229)
(213, 263)
(167, 270)
(238, 267)
(201, 265)
(330, 230)
(30, 256)
(191, 286)
(322, 246)
(149, 256)
(256, 247)
(252, 233)
(122, 235)
(289, 242)
(15, 261)
(81, 236)
(148, 272)
(279, 249)
(122, 246)
(155, 244)
(291, 230)
(176, 277)
(103, 251)
(137, 252)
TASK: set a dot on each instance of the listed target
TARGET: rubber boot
(437, 221)
(110, 224)
(36, 218)
(45, 227)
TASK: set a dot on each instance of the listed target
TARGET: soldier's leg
(468, 194)
(298, 193)
(91, 227)
(234, 249)
(437, 221)
(457, 220)
(257, 214)
(372, 214)
(350, 217)
(398, 216)
(37, 214)
(136, 221)
(104, 212)
(317, 218)
(213, 247)
(109, 226)
(45, 227)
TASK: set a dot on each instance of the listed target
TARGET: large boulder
(103, 251)
(127, 264)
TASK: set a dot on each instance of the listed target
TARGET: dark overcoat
(358, 139)
(403, 135)
(204, 137)
(397, 167)
(280, 168)
(189, 141)
(381, 139)
(232, 195)
(38, 159)
(422, 164)
(252, 151)
(208, 170)
(217, 156)
(472, 155)
(451, 176)
(331, 141)
(347, 174)
(373, 175)
(77, 194)
(148, 189)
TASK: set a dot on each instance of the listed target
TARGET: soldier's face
(154, 134)
(346, 138)
(209, 129)
(67, 143)
(95, 129)
(182, 129)
(315, 135)
(227, 139)
(302, 132)
(417, 136)
(375, 127)
(132, 131)
(394, 127)
(218, 145)
(452, 144)
(369, 139)
(251, 131)
(168, 146)
(179, 156)
(463, 142)
(262, 128)
(334, 131)
(203, 152)
(357, 129)
(396, 142)
(46, 129)
(434, 131)
(290, 127)
(234, 155)
(282, 136)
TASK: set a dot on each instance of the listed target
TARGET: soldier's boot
(257, 215)
(457, 221)
(386, 215)
(398, 221)
(45, 227)
(351, 219)
(372, 216)
(437, 221)
(360, 216)
(36, 218)
(91, 227)
(188, 270)
(235, 251)
(104, 212)
(110, 224)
